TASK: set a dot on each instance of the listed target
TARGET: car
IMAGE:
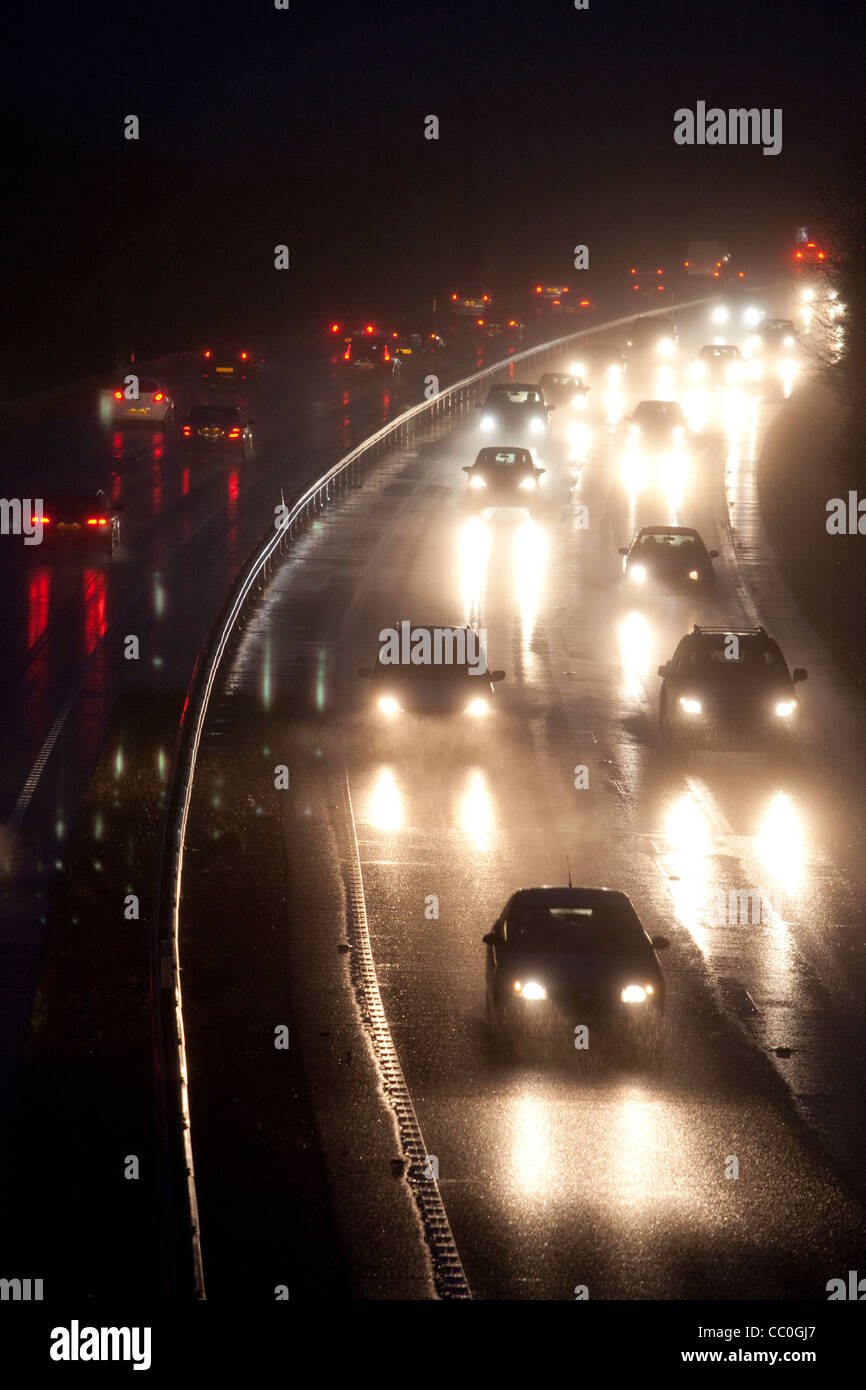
(471, 301)
(503, 478)
(718, 364)
(140, 400)
(656, 334)
(657, 425)
(669, 556)
(564, 959)
(505, 325)
(551, 295)
(84, 525)
(724, 683)
(743, 309)
(369, 352)
(226, 366)
(647, 281)
(218, 427)
(564, 389)
(600, 364)
(449, 676)
(517, 410)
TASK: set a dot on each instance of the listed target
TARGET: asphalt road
(582, 1171)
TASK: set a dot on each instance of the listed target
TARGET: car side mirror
(714, 555)
(660, 943)
(366, 672)
(497, 675)
(541, 470)
(490, 938)
(467, 467)
(665, 670)
(799, 674)
(622, 550)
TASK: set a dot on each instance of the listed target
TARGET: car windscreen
(752, 660)
(504, 458)
(720, 352)
(510, 396)
(610, 930)
(667, 545)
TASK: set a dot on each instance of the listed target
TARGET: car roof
(720, 347)
(665, 405)
(667, 531)
(570, 897)
(72, 502)
(491, 453)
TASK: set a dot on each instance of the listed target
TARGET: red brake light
(187, 429)
(369, 328)
(658, 272)
(686, 264)
(348, 353)
(632, 271)
(97, 521)
(244, 356)
(387, 355)
(207, 353)
(661, 287)
(480, 323)
(820, 255)
(234, 433)
(715, 275)
(453, 296)
(811, 245)
(486, 298)
(335, 328)
(46, 520)
(584, 304)
(159, 396)
(538, 289)
(741, 275)
(512, 323)
(118, 395)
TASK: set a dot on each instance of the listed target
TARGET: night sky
(306, 127)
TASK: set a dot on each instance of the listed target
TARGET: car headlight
(734, 371)
(577, 369)
(478, 708)
(678, 431)
(637, 573)
(614, 374)
(756, 371)
(579, 401)
(388, 705)
(487, 422)
(788, 342)
(528, 484)
(694, 575)
(697, 369)
(536, 425)
(531, 990)
(719, 314)
(785, 708)
(475, 481)
(634, 994)
(666, 346)
(808, 295)
(690, 706)
(752, 317)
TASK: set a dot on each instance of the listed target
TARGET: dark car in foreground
(671, 557)
(515, 411)
(218, 427)
(503, 478)
(728, 684)
(369, 352)
(574, 966)
(431, 670)
(76, 525)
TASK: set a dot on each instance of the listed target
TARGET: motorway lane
(188, 525)
(611, 1179)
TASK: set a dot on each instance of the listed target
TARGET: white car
(139, 399)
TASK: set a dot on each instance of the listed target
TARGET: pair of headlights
(525, 485)
(477, 708)
(783, 709)
(631, 994)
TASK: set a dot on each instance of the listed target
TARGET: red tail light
(45, 520)
(97, 521)
(741, 275)
(207, 353)
(369, 328)
(347, 354)
(632, 271)
(486, 298)
(480, 323)
(386, 356)
(187, 429)
(658, 272)
(244, 356)
(159, 396)
(686, 264)
(661, 287)
(335, 328)
(810, 245)
(118, 395)
(584, 304)
(538, 289)
(512, 323)
(234, 433)
(820, 255)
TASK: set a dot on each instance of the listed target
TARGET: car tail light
(584, 304)
(386, 356)
(118, 395)
(207, 352)
(538, 289)
(234, 433)
(159, 396)
(512, 323)
(658, 272)
(187, 429)
(661, 287)
(43, 520)
(335, 328)
(453, 298)
(486, 298)
(369, 328)
(347, 354)
(97, 521)
(556, 302)
(244, 356)
(686, 264)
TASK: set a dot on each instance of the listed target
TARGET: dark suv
(515, 411)
(725, 682)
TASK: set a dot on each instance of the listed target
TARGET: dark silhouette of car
(503, 478)
(671, 557)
